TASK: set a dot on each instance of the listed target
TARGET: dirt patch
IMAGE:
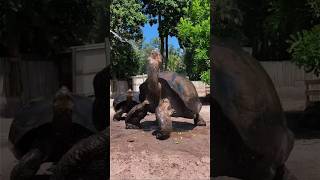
(137, 154)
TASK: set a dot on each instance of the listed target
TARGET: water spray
(124, 40)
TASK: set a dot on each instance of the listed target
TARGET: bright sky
(150, 32)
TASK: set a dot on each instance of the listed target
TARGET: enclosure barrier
(137, 81)
(118, 87)
(87, 60)
(312, 89)
(289, 81)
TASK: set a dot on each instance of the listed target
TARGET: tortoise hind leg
(284, 174)
(117, 115)
(163, 115)
(135, 115)
(89, 157)
(199, 121)
(28, 165)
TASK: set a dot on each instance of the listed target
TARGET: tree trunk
(107, 37)
(188, 61)
(167, 54)
(162, 50)
(161, 40)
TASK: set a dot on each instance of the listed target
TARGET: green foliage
(167, 14)
(279, 23)
(205, 76)
(126, 19)
(47, 26)
(144, 53)
(305, 45)
(170, 11)
(315, 5)
(274, 23)
(101, 12)
(280, 19)
(125, 61)
(175, 61)
(194, 36)
(228, 19)
(305, 49)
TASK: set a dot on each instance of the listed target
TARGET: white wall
(87, 61)
(2, 99)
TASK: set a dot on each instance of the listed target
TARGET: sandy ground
(184, 156)
(137, 154)
(7, 159)
(303, 162)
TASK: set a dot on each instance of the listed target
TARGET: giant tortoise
(43, 130)
(100, 106)
(89, 158)
(124, 102)
(167, 94)
(86, 160)
(251, 139)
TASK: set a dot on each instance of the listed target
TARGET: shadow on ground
(178, 126)
(302, 125)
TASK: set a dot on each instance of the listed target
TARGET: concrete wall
(117, 87)
(137, 81)
(87, 61)
(202, 88)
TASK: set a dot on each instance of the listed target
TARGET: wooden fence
(34, 78)
(285, 73)
(40, 79)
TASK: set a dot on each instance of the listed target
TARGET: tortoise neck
(153, 73)
(129, 98)
(62, 121)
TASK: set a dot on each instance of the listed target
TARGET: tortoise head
(63, 102)
(155, 58)
(62, 108)
(129, 94)
(154, 64)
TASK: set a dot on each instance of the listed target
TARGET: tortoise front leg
(163, 115)
(284, 174)
(199, 121)
(118, 114)
(76, 162)
(28, 165)
(135, 115)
